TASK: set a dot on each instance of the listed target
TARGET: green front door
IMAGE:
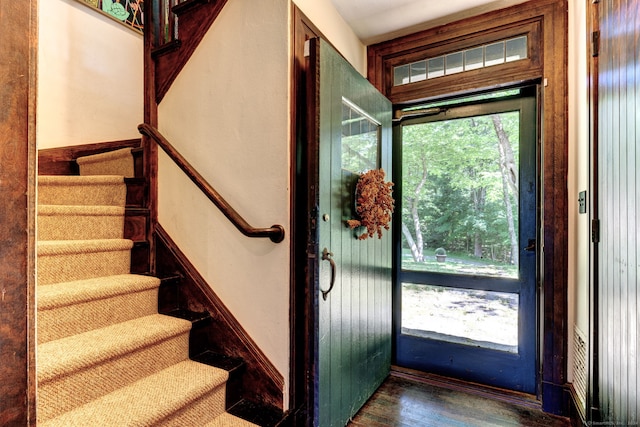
(352, 277)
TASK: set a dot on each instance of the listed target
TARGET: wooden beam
(18, 51)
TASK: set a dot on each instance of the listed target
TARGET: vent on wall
(580, 368)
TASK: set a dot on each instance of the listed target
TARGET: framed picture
(128, 12)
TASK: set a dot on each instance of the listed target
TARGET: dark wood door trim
(593, 48)
(551, 44)
(18, 77)
(302, 175)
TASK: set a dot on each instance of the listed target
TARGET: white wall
(228, 114)
(90, 76)
(325, 16)
(578, 178)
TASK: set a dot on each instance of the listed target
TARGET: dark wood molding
(454, 38)
(549, 69)
(18, 80)
(261, 380)
(301, 380)
(62, 160)
(593, 70)
(150, 156)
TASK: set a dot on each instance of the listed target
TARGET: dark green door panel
(354, 332)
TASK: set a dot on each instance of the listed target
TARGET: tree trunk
(507, 159)
(477, 245)
(417, 255)
(479, 196)
(510, 222)
(509, 171)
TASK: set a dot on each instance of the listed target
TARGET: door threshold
(495, 393)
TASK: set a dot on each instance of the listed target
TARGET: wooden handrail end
(277, 236)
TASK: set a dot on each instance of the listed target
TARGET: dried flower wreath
(374, 204)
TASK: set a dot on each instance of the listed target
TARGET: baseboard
(555, 399)
(495, 393)
(261, 380)
(576, 413)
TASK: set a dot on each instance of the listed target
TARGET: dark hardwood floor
(408, 400)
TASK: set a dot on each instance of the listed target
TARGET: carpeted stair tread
(75, 370)
(115, 162)
(153, 399)
(68, 260)
(60, 357)
(228, 420)
(103, 190)
(68, 247)
(73, 222)
(68, 293)
(75, 307)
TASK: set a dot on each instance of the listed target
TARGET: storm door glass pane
(360, 139)
(472, 317)
(460, 212)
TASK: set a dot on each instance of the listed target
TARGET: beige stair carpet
(61, 222)
(116, 162)
(105, 356)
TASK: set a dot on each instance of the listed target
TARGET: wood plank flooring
(405, 401)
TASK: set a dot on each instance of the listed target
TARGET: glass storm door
(352, 277)
(466, 283)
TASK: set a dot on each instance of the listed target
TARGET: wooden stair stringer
(224, 335)
(193, 25)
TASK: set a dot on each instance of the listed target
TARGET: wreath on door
(374, 204)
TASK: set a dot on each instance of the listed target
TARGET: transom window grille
(495, 53)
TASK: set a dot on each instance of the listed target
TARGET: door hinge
(595, 230)
(595, 44)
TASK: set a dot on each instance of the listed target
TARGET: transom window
(495, 53)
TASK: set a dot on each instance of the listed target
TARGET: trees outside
(460, 188)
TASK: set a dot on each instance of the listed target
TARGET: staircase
(105, 356)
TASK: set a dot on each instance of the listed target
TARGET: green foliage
(462, 199)
(441, 252)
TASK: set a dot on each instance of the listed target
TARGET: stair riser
(78, 266)
(107, 168)
(82, 195)
(74, 319)
(69, 391)
(80, 227)
(205, 408)
(118, 162)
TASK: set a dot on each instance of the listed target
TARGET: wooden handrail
(275, 232)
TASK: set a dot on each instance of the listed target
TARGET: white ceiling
(378, 20)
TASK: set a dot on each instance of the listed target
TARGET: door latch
(327, 256)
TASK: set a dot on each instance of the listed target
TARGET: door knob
(531, 247)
